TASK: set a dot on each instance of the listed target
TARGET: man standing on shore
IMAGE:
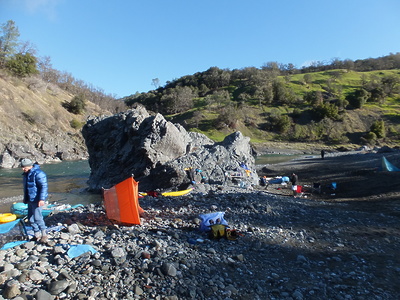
(293, 180)
(35, 194)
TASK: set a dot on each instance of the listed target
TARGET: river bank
(358, 174)
(289, 248)
(319, 247)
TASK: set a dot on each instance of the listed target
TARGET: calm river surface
(274, 158)
(67, 181)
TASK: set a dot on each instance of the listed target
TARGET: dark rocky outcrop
(157, 152)
(43, 148)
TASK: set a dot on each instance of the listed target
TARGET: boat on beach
(167, 194)
(7, 217)
(21, 209)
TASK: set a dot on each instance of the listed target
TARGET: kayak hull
(7, 217)
(169, 194)
(21, 209)
(177, 193)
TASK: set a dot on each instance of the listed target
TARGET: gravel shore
(342, 246)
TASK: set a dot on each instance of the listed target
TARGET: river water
(67, 181)
(274, 158)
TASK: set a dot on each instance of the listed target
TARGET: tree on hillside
(288, 69)
(219, 98)
(314, 98)
(325, 110)
(267, 93)
(391, 84)
(378, 128)
(197, 117)
(358, 98)
(77, 105)
(332, 87)
(22, 65)
(215, 78)
(156, 83)
(282, 94)
(272, 67)
(9, 35)
(46, 70)
(228, 117)
(177, 100)
(307, 78)
(280, 123)
(377, 95)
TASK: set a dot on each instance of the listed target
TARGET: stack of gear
(217, 227)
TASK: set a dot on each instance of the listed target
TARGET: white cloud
(307, 63)
(46, 7)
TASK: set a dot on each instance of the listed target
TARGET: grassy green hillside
(257, 117)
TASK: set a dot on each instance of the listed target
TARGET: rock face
(159, 153)
(43, 148)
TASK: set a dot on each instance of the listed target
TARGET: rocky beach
(341, 245)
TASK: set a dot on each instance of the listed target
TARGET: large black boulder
(158, 153)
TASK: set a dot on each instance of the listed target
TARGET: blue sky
(121, 46)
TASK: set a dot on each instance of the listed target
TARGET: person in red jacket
(35, 195)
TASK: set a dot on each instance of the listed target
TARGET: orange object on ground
(121, 202)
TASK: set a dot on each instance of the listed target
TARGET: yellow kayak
(170, 194)
(7, 217)
(177, 193)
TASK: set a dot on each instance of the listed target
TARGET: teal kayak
(21, 209)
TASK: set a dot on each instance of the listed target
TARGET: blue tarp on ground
(279, 180)
(12, 234)
(77, 250)
(387, 166)
(6, 227)
(12, 244)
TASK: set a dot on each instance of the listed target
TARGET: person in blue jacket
(35, 195)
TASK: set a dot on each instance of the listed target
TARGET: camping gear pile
(217, 227)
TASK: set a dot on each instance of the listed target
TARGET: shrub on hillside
(358, 98)
(228, 117)
(22, 65)
(76, 106)
(281, 123)
(76, 124)
(369, 138)
(378, 128)
(296, 112)
(325, 110)
(314, 97)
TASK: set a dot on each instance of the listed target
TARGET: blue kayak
(21, 209)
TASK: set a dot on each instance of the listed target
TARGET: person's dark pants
(35, 217)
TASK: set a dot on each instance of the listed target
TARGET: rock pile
(290, 249)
